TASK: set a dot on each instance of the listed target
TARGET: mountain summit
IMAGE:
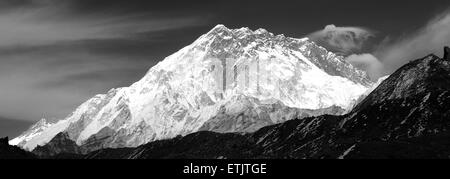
(228, 80)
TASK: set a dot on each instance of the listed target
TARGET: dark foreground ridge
(12, 152)
(406, 116)
(446, 53)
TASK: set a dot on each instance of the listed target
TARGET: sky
(56, 54)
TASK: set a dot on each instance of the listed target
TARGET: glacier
(228, 80)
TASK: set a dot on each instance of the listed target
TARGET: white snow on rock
(209, 78)
(33, 131)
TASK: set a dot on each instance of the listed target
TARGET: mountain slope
(414, 101)
(406, 116)
(226, 81)
(33, 131)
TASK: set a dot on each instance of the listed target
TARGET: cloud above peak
(343, 40)
(384, 57)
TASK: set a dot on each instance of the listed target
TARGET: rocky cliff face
(60, 144)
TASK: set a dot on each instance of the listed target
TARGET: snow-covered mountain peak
(40, 124)
(222, 31)
(246, 44)
(228, 80)
(31, 132)
(217, 29)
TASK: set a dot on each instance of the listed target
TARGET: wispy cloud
(49, 23)
(391, 53)
(429, 39)
(55, 54)
(367, 62)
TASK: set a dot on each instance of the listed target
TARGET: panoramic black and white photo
(224, 79)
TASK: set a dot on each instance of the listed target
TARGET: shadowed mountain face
(447, 53)
(406, 116)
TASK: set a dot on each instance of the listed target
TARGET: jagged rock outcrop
(60, 144)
